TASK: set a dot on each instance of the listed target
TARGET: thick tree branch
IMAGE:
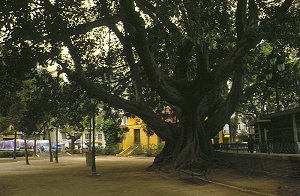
(134, 72)
(231, 62)
(183, 53)
(283, 8)
(98, 92)
(202, 57)
(241, 18)
(161, 128)
(84, 28)
(216, 121)
(210, 102)
(127, 50)
(157, 16)
(136, 27)
(250, 37)
(253, 15)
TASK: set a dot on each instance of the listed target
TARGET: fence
(288, 148)
(232, 147)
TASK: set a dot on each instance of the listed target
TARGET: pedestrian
(251, 145)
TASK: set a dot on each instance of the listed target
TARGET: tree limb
(241, 18)
(223, 114)
(155, 14)
(184, 52)
(253, 15)
(283, 8)
(202, 57)
(136, 27)
(94, 90)
(84, 28)
(162, 129)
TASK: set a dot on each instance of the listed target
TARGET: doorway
(137, 139)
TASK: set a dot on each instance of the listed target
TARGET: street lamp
(35, 133)
(39, 69)
(280, 67)
(56, 141)
(269, 76)
(273, 60)
(94, 106)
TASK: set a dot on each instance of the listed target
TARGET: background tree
(22, 115)
(183, 53)
(272, 81)
(113, 134)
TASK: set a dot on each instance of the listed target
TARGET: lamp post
(93, 111)
(269, 76)
(93, 147)
(56, 147)
(50, 144)
(34, 145)
(39, 69)
(82, 145)
(15, 144)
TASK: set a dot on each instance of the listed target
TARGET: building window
(100, 136)
(137, 139)
(124, 120)
(87, 136)
(226, 129)
(63, 136)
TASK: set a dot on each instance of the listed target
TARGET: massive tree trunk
(188, 148)
(50, 144)
(26, 149)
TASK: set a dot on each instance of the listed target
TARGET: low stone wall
(271, 164)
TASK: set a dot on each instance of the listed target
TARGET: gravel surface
(128, 176)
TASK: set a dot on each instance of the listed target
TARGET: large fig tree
(144, 55)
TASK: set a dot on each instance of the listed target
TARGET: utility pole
(56, 141)
(93, 147)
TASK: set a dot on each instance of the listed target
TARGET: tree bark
(190, 148)
(26, 150)
(50, 145)
(56, 149)
(15, 144)
(34, 145)
(72, 144)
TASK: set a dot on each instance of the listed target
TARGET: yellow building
(221, 138)
(136, 135)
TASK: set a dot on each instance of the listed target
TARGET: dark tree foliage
(112, 132)
(142, 56)
(14, 68)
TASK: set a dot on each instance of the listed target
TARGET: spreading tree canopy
(144, 55)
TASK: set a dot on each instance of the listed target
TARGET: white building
(65, 141)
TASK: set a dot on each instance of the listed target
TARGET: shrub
(148, 150)
(108, 150)
(152, 150)
(76, 151)
(138, 150)
(8, 154)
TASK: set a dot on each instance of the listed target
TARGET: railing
(287, 148)
(231, 147)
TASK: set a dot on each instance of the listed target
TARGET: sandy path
(117, 176)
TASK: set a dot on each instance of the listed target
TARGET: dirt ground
(128, 176)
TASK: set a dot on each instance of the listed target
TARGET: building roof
(281, 113)
(268, 117)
